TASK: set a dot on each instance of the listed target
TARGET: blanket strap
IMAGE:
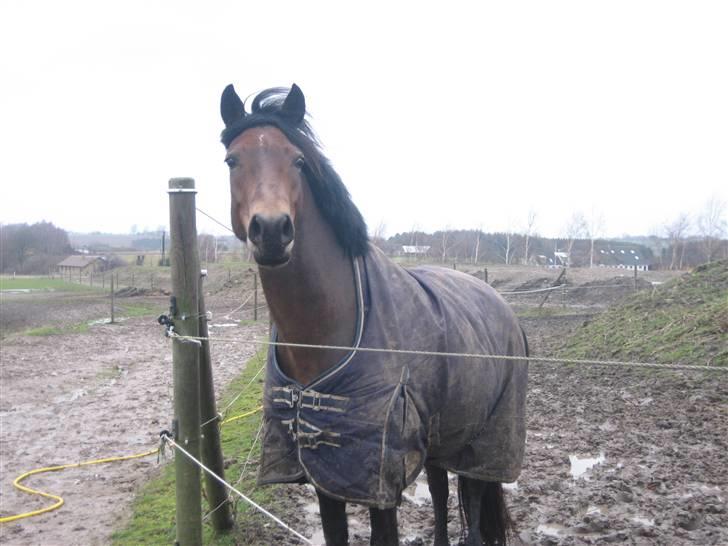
(292, 397)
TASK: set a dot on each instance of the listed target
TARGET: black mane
(330, 194)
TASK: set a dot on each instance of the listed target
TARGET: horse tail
(461, 511)
(496, 525)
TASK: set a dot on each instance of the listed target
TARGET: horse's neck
(312, 299)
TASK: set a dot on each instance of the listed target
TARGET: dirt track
(657, 443)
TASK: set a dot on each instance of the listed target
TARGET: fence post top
(182, 183)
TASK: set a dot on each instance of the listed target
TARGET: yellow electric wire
(242, 415)
(59, 500)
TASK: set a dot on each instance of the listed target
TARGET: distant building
(557, 259)
(82, 265)
(621, 256)
(410, 250)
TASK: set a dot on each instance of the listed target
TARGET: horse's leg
(471, 496)
(333, 520)
(437, 483)
(384, 527)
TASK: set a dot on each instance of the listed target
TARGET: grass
(684, 321)
(546, 312)
(134, 310)
(152, 521)
(248, 322)
(43, 283)
(138, 309)
(57, 330)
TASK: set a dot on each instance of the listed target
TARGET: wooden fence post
(186, 358)
(562, 275)
(217, 497)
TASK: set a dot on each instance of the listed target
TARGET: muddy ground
(82, 396)
(613, 454)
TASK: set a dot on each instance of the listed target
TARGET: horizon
(625, 237)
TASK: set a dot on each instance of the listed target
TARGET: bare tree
(445, 241)
(576, 228)
(594, 227)
(506, 242)
(508, 254)
(31, 248)
(530, 227)
(712, 226)
(207, 247)
(676, 232)
(414, 230)
(379, 234)
(476, 252)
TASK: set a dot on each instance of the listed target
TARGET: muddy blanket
(363, 430)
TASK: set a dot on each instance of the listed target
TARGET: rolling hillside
(684, 321)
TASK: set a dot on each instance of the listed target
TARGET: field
(614, 454)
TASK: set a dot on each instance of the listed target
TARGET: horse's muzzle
(272, 239)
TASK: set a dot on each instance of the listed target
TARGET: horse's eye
(231, 162)
(299, 162)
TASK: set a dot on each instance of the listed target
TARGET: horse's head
(266, 175)
(274, 161)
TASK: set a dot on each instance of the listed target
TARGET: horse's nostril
(287, 230)
(255, 230)
(267, 231)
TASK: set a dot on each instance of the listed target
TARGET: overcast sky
(435, 115)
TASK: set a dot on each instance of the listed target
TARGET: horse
(361, 425)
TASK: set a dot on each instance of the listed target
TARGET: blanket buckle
(294, 398)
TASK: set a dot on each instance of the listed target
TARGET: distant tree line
(34, 248)
(477, 247)
(687, 241)
(683, 243)
(706, 242)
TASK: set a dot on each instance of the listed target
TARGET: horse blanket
(363, 430)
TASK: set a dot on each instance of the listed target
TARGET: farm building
(81, 265)
(412, 250)
(619, 256)
(557, 259)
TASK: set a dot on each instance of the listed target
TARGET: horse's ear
(294, 107)
(232, 108)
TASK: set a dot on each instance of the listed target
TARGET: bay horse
(360, 426)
